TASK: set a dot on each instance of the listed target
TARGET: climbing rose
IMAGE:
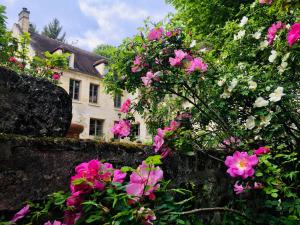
(294, 34)
(19, 215)
(137, 62)
(147, 80)
(197, 65)
(179, 56)
(125, 106)
(238, 189)
(265, 2)
(119, 176)
(121, 129)
(155, 34)
(261, 151)
(241, 164)
(55, 76)
(273, 30)
(144, 181)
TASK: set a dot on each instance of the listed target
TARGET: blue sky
(90, 22)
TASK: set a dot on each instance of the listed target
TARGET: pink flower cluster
(294, 34)
(230, 142)
(144, 181)
(138, 64)
(241, 164)
(55, 222)
(193, 64)
(269, 2)
(179, 57)
(273, 30)
(197, 64)
(159, 142)
(149, 78)
(155, 34)
(92, 175)
(121, 128)
(239, 188)
(126, 106)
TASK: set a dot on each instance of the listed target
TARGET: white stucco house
(92, 107)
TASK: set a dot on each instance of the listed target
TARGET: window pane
(74, 89)
(93, 98)
(96, 127)
(117, 101)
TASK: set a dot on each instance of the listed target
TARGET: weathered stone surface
(31, 168)
(32, 106)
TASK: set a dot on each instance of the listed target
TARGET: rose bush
(241, 82)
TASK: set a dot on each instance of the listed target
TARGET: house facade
(96, 110)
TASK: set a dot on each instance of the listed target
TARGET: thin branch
(215, 209)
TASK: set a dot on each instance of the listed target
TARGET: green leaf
(154, 160)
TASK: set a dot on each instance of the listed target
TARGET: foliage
(110, 202)
(53, 30)
(15, 55)
(105, 50)
(249, 93)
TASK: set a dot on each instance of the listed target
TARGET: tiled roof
(83, 60)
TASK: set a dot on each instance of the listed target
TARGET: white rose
(240, 35)
(221, 82)
(193, 44)
(276, 95)
(243, 21)
(252, 85)
(265, 120)
(264, 44)
(257, 35)
(226, 94)
(273, 56)
(250, 122)
(260, 102)
(232, 85)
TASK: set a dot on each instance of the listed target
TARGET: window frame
(92, 93)
(72, 93)
(119, 98)
(95, 130)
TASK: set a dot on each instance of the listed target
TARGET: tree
(105, 50)
(53, 30)
(204, 16)
(32, 28)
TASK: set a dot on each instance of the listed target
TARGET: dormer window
(101, 67)
(71, 60)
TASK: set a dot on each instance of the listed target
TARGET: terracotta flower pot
(75, 130)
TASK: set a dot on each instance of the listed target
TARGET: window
(94, 93)
(96, 127)
(136, 130)
(116, 137)
(117, 101)
(74, 89)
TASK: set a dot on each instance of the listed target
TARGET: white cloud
(115, 20)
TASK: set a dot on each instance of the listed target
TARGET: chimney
(24, 20)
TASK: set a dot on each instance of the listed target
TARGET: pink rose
(262, 150)
(119, 176)
(294, 34)
(125, 106)
(197, 65)
(273, 30)
(179, 56)
(22, 213)
(121, 129)
(55, 76)
(241, 164)
(238, 189)
(155, 34)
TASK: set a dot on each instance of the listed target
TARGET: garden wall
(31, 168)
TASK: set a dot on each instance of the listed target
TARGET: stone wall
(31, 168)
